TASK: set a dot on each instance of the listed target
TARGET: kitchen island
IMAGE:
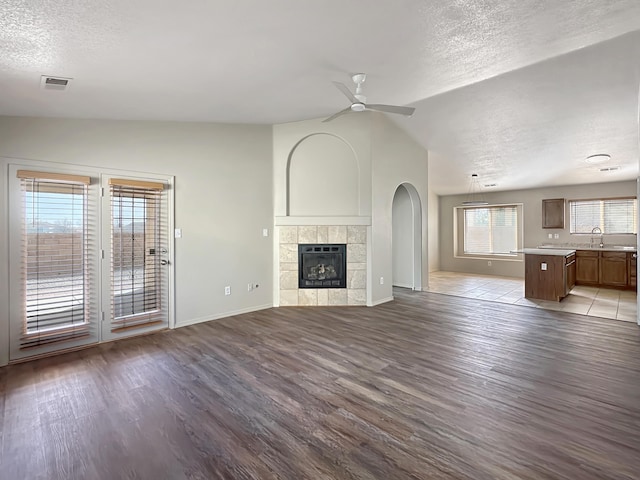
(549, 274)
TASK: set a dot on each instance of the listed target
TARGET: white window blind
(491, 230)
(55, 262)
(136, 236)
(612, 216)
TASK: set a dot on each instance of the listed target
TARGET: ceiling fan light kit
(359, 100)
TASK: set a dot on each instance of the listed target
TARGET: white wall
(433, 217)
(323, 177)
(402, 239)
(533, 233)
(353, 131)
(223, 199)
(433, 230)
(396, 159)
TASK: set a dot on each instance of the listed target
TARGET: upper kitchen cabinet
(553, 213)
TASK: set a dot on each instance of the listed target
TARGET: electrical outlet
(543, 266)
(227, 290)
(381, 280)
(249, 287)
(489, 263)
(556, 236)
(265, 232)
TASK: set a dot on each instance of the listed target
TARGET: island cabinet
(606, 269)
(549, 277)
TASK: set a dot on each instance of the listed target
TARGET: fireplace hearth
(322, 266)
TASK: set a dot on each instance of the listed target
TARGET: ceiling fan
(359, 101)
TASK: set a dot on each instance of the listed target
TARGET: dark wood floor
(425, 387)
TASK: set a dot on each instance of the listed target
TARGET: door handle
(164, 262)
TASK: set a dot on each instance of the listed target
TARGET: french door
(136, 258)
(89, 258)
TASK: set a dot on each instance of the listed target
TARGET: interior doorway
(407, 238)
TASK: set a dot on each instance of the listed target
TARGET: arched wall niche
(322, 177)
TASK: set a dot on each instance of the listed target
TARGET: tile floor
(592, 301)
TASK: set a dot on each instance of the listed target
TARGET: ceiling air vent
(55, 83)
(610, 169)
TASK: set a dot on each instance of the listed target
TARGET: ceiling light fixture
(475, 196)
(598, 158)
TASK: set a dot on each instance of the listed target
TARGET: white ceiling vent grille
(48, 82)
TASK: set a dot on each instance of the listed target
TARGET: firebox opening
(322, 266)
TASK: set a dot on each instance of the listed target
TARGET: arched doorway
(407, 238)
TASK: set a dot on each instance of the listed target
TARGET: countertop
(606, 248)
(560, 252)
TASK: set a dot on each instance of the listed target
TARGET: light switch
(178, 233)
(551, 235)
(543, 266)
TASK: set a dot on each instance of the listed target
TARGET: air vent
(489, 185)
(609, 169)
(55, 83)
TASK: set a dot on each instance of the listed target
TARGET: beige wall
(222, 201)
(533, 232)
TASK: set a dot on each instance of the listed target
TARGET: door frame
(416, 233)
(105, 246)
(97, 174)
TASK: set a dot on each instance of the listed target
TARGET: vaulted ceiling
(517, 91)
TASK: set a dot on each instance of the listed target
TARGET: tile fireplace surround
(354, 236)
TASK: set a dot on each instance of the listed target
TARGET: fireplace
(322, 266)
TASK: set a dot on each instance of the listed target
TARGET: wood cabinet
(571, 273)
(548, 277)
(587, 267)
(607, 269)
(613, 269)
(553, 213)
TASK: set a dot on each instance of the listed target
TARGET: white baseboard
(384, 300)
(209, 318)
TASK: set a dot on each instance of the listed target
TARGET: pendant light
(475, 196)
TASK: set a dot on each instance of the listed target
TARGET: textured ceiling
(504, 88)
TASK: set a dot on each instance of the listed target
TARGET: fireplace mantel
(321, 220)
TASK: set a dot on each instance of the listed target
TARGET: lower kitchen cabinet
(613, 269)
(608, 269)
(587, 267)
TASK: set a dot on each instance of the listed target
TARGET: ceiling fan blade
(347, 93)
(336, 115)
(392, 109)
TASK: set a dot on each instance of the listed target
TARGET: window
(490, 230)
(611, 215)
(55, 232)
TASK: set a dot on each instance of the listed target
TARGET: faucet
(596, 231)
